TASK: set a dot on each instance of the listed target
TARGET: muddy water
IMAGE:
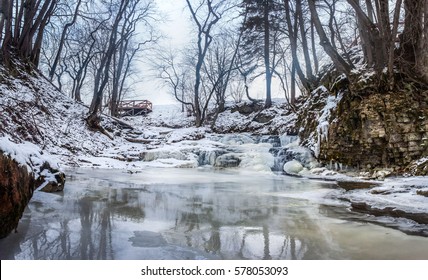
(198, 214)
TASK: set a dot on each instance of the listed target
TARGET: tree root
(93, 121)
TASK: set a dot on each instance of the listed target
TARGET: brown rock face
(379, 130)
(370, 130)
(16, 189)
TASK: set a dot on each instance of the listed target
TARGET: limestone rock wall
(378, 130)
(16, 189)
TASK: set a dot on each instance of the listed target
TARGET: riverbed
(201, 213)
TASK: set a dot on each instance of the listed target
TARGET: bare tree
(78, 63)
(237, 90)
(261, 34)
(219, 68)
(295, 23)
(175, 75)
(246, 68)
(337, 59)
(374, 36)
(103, 72)
(63, 38)
(205, 15)
(22, 31)
(127, 49)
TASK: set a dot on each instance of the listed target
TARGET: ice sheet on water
(398, 193)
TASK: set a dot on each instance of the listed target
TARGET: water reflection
(102, 215)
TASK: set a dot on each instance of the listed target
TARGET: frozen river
(165, 213)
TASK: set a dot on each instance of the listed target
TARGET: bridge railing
(135, 104)
(134, 107)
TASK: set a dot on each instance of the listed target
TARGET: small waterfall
(245, 151)
(289, 150)
(286, 140)
(281, 156)
(209, 157)
(282, 151)
(274, 140)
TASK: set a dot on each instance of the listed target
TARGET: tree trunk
(4, 4)
(372, 38)
(293, 84)
(338, 61)
(204, 40)
(36, 49)
(115, 86)
(247, 89)
(391, 55)
(314, 49)
(268, 102)
(22, 32)
(293, 29)
(413, 41)
(384, 23)
(103, 72)
(305, 47)
(197, 108)
(7, 38)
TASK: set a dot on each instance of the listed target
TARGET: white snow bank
(163, 116)
(283, 120)
(27, 154)
(398, 193)
(192, 133)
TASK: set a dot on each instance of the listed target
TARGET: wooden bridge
(134, 107)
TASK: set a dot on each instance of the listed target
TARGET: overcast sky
(177, 25)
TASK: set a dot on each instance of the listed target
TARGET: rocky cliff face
(17, 185)
(372, 130)
(16, 189)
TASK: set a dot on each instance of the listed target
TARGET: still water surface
(198, 214)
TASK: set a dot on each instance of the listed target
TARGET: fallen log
(139, 140)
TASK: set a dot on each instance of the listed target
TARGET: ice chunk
(256, 157)
(293, 167)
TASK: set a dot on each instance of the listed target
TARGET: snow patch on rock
(27, 154)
